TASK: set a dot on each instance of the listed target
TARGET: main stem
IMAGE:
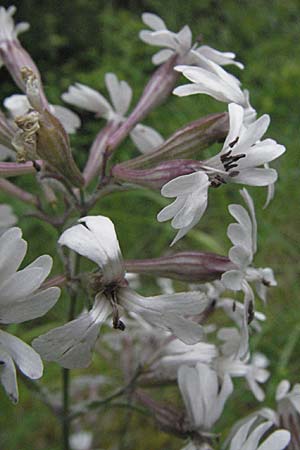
(66, 372)
(66, 404)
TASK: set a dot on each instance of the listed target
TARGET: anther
(232, 144)
(250, 312)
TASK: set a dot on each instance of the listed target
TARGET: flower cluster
(173, 336)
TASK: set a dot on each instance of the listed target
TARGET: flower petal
(256, 177)
(28, 361)
(171, 210)
(241, 435)
(236, 116)
(146, 138)
(95, 238)
(21, 284)
(87, 98)
(29, 308)
(184, 185)
(161, 56)
(8, 375)
(120, 93)
(233, 279)
(153, 21)
(13, 250)
(70, 121)
(277, 441)
(71, 345)
(221, 58)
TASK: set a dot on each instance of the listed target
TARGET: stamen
(217, 181)
(36, 166)
(117, 323)
(229, 161)
(232, 144)
(250, 312)
(225, 155)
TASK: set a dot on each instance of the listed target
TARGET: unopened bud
(156, 177)
(43, 136)
(192, 267)
(186, 142)
(53, 146)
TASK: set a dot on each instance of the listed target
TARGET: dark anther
(232, 144)
(85, 225)
(229, 166)
(118, 324)
(250, 312)
(36, 166)
(234, 173)
(121, 325)
(234, 306)
(2, 363)
(225, 155)
(229, 161)
(266, 283)
(217, 181)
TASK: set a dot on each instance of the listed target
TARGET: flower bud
(156, 177)
(186, 142)
(54, 147)
(12, 54)
(192, 267)
(43, 136)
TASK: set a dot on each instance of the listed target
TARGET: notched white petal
(71, 345)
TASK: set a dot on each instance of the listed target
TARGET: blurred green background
(82, 40)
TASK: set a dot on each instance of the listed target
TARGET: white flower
(243, 152)
(180, 43)
(210, 78)
(8, 30)
(237, 162)
(82, 440)
(71, 344)
(248, 438)
(176, 354)
(82, 96)
(288, 407)
(233, 362)
(191, 201)
(7, 217)
(20, 300)
(202, 394)
(284, 395)
(243, 235)
(18, 105)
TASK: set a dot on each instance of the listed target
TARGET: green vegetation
(81, 41)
